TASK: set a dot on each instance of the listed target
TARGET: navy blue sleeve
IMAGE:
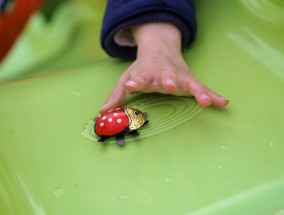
(121, 14)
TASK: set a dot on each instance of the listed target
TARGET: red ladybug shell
(112, 123)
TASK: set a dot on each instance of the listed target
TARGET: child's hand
(160, 67)
(161, 74)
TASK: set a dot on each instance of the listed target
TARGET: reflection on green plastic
(188, 160)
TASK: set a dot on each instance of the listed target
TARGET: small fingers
(117, 95)
(133, 85)
(203, 95)
(203, 99)
(138, 83)
(217, 99)
(210, 97)
(147, 82)
(168, 82)
(114, 100)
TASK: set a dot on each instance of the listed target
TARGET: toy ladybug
(118, 122)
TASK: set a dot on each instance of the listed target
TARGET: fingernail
(171, 82)
(205, 97)
(131, 83)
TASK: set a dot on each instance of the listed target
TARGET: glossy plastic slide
(187, 160)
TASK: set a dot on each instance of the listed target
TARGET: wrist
(157, 38)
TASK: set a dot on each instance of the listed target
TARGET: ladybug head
(136, 118)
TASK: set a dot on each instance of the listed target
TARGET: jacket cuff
(129, 52)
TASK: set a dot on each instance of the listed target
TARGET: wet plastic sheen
(187, 160)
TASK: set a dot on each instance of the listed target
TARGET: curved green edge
(214, 161)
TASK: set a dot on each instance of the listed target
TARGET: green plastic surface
(187, 160)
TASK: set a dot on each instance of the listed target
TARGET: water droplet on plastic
(219, 166)
(58, 191)
(124, 196)
(76, 93)
(144, 200)
(168, 180)
(222, 147)
(271, 144)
